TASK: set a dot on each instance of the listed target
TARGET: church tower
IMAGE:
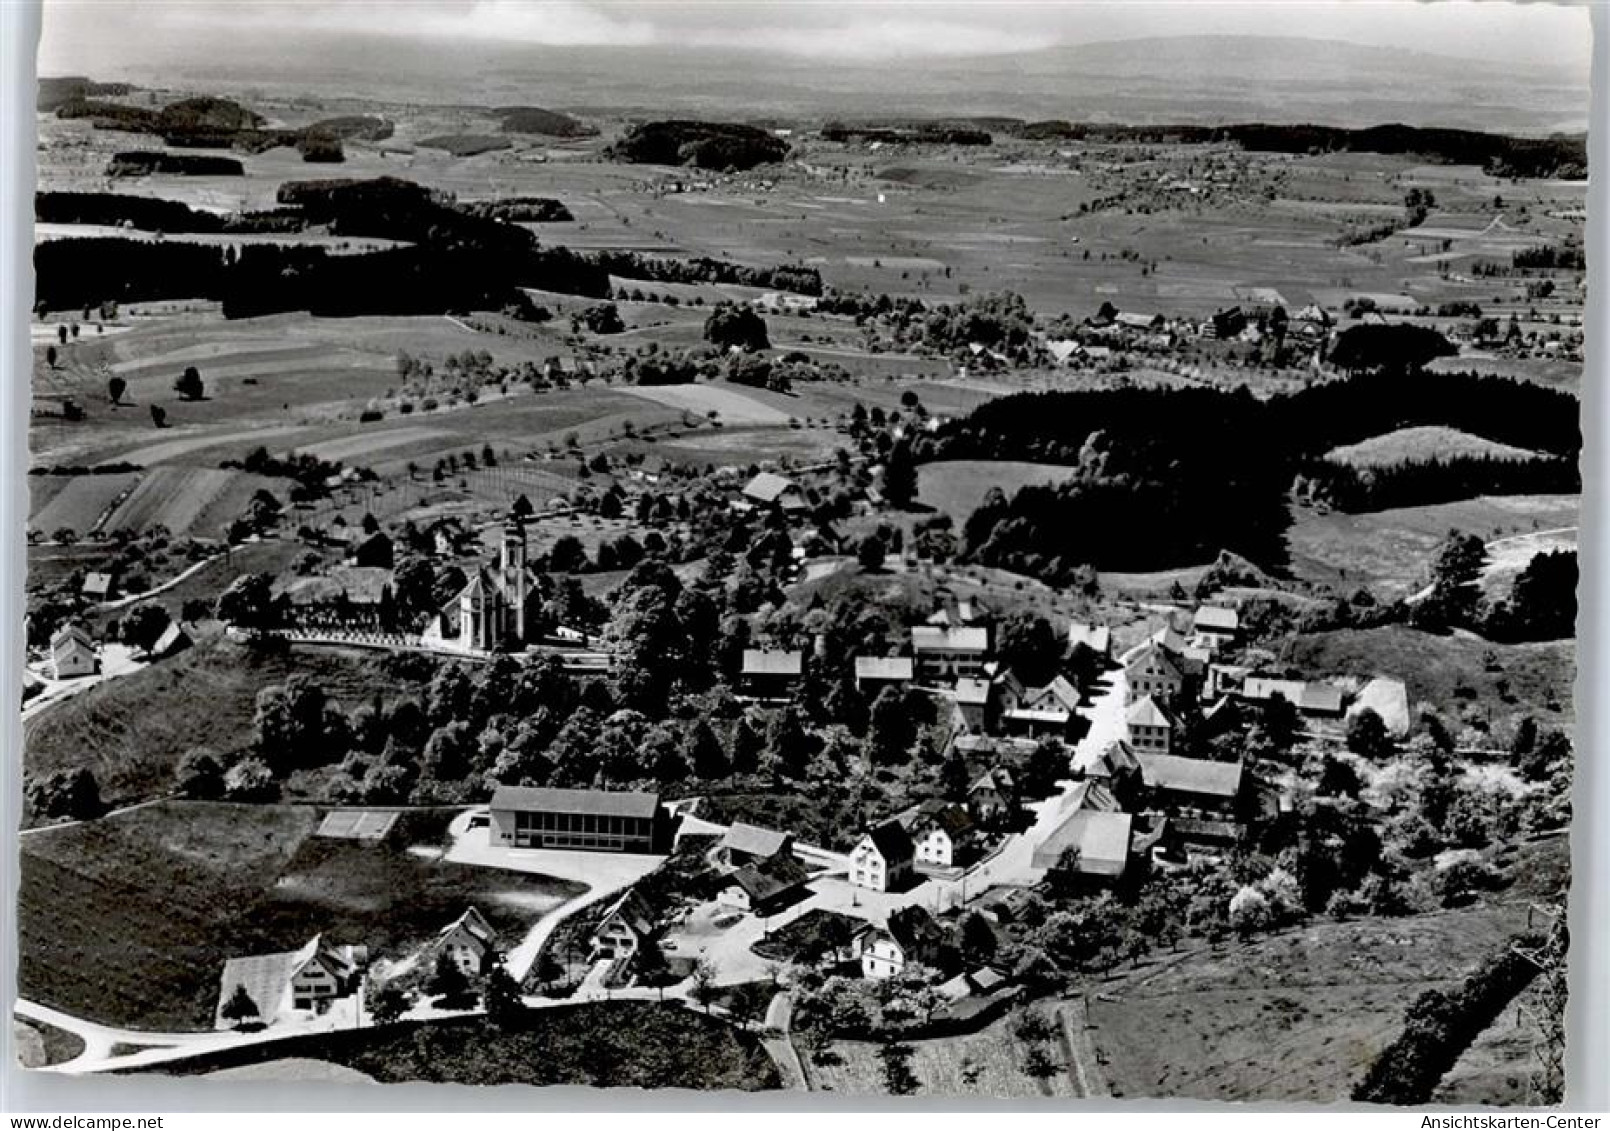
(514, 577)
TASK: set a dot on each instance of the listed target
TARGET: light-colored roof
(998, 778)
(472, 923)
(1305, 695)
(1216, 618)
(754, 840)
(1059, 694)
(1388, 698)
(1151, 654)
(98, 583)
(1146, 713)
(972, 692)
(1096, 637)
(758, 661)
(1191, 775)
(608, 803)
(896, 668)
(1054, 716)
(71, 635)
(768, 487)
(1102, 838)
(957, 638)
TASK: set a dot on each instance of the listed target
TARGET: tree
(248, 602)
(189, 385)
(250, 779)
(500, 994)
(900, 475)
(388, 1003)
(703, 751)
(159, 416)
(143, 625)
(447, 983)
(1038, 1065)
(788, 744)
(73, 794)
(978, 940)
(1401, 348)
(703, 990)
(115, 388)
(747, 1003)
(870, 553)
(730, 325)
(1028, 645)
(1367, 736)
(199, 776)
(240, 1007)
(889, 729)
(898, 1077)
(50, 356)
(603, 318)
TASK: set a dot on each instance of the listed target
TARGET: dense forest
(1438, 479)
(705, 145)
(142, 163)
(546, 123)
(1167, 477)
(792, 277)
(915, 133)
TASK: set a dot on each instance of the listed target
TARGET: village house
(98, 586)
(945, 654)
(766, 887)
(909, 937)
(884, 858)
(1151, 728)
(768, 674)
(751, 844)
(941, 831)
(1216, 624)
(174, 639)
(1040, 712)
(874, 673)
(620, 934)
(1118, 765)
(1191, 786)
(468, 941)
(493, 612)
(72, 653)
(768, 489)
(972, 699)
(587, 819)
(1312, 698)
(305, 980)
(1096, 828)
(993, 797)
(958, 612)
(1151, 670)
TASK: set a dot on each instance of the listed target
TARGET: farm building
(1192, 785)
(304, 980)
(942, 654)
(1388, 698)
(98, 587)
(174, 639)
(1313, 698)
(874, 673)
(772, 490)
(1217, 623)
(751, 844)
(766, 887)
(1096, 637)
(770, 674)
(491, 612)
(1097, 828)
(883, 860)
(72, 653)
(588, 819)
(375, 551)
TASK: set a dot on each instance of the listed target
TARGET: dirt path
(1083, 1067)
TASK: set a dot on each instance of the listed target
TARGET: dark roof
(594, 801)
(952, 818)
(914, 929)
(891, 841)
(766, 881)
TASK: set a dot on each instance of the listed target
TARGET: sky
(76, 32)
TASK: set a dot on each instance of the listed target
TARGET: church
(492, 613)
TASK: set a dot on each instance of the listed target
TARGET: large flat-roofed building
(588, 819)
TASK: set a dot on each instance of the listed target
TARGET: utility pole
(1547, 1083)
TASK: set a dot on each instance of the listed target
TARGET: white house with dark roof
(883, 859)
(910, 936)
(72, 653)
(940, 832)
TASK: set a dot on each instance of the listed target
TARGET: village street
(116, 660)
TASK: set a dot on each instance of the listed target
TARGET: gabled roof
(1305, 695)
(631, 911)
(1151, 654)
(1058, 694)
(1096, 637)
(97, 583)
(1101, 837)
(962, 638)
(914, 929)
(760, 661)
(754, 840)
(761, 882)
(891, 841)
(608, 803)
(1191, 775)
(172, 637)
(1169, 638)
(892, 668)
(768, 487)
(1146, 712)
(998, 778)
(1115, 759)
(952, 819)
(473, 924)
(71, 635)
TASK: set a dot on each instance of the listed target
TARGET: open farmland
(994, 1056)
(80, 504)
(1295, 1016)
(128, 920)
(1423, 443)
(731, 405)
(1389, 550)
(957, 487)
(199, 502)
